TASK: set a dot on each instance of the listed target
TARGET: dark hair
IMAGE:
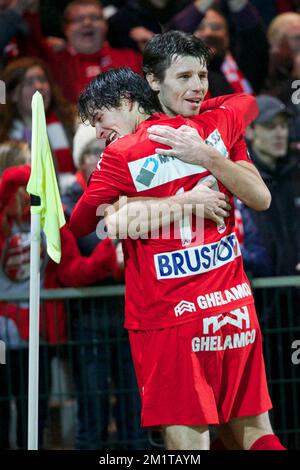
(160, 51)
(109, 88)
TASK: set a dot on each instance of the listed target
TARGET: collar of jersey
(162, 119)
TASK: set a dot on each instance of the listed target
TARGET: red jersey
(173, 281)
(74, 71)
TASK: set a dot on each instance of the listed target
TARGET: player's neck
(141, 117)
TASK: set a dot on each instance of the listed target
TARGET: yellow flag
(43, 182)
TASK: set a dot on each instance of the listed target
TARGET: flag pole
(46, 212)
(34, 308)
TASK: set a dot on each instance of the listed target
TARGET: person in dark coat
(279, 225)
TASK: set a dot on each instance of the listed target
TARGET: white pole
(34, 322)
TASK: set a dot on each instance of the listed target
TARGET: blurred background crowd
(57, 47)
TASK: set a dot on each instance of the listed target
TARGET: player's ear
(127, 102)
(153, 81)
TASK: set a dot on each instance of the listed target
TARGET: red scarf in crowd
(235, 77)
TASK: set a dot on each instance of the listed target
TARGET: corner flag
(42, 182)
(46, 211)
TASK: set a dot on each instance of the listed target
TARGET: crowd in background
(256, 46)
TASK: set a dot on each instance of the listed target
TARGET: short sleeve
(246, 104)
(239, 151)
(231, 123)
(109, 180)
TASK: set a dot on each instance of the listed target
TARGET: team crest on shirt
(106, 61)
(184, 306)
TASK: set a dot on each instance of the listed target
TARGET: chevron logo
(184, 306)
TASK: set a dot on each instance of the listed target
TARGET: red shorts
(208, 371)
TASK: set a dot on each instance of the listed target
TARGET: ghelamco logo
(236, 318)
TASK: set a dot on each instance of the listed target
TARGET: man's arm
(83, 219)
(189, 18)
(154, 213)
(240, 178)
(108, 181)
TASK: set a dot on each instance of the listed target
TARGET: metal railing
(107, 410)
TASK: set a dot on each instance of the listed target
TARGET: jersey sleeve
(230, 123)
(239, 151)
(109, 180)
(246, 104)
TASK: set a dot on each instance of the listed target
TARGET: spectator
(74, 270)
(278, 226)
(241, 49)
(12, 153)
(12, 22)
(283, 37)
(137, 21)
(257, 262)
(22, 78)
(284, 68)
(87, 52)
(97, 367)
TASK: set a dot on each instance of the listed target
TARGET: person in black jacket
(279, 225)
